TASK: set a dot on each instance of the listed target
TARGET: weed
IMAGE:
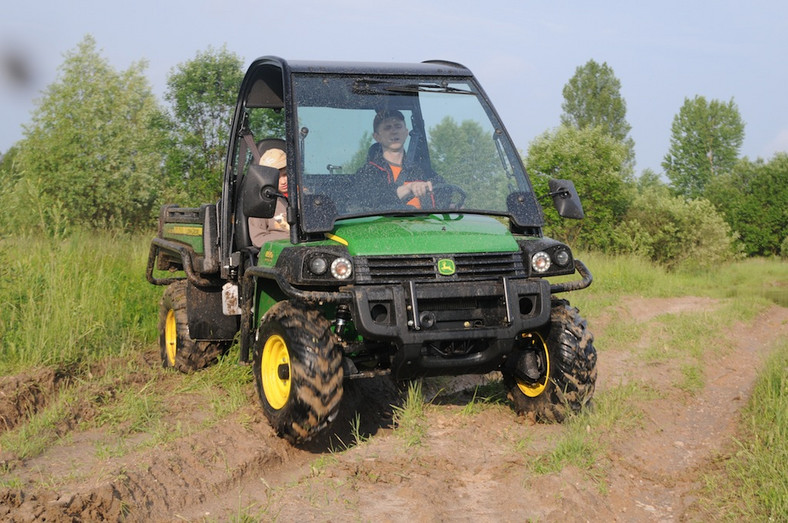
(484, 396)
(692, 378)
(11, 483)
(410, 417)
(321, 463)
(355, 430)
(136, 410)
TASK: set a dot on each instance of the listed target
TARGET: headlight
(540, 261)
(318, 265)
(341, 268)
(561, 257)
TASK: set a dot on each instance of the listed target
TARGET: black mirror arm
(270, 192)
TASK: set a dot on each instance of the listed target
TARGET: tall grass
(759, 280)
(70, 300)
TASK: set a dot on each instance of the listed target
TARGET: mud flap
(206, 318)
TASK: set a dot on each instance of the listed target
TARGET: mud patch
(643, 310)
(23, 395)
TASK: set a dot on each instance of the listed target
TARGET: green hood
(432, 234)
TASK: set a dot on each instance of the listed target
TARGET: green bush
(675, 232)
(784, 248)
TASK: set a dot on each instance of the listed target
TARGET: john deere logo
(446, 267)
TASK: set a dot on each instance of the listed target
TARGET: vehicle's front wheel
(178, 349)
(298, 371)
(556, 375)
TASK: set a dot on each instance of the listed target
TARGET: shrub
(675, 232)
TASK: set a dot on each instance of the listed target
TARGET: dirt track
(476, 465)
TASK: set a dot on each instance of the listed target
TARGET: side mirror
(258, 191)
(565, 199)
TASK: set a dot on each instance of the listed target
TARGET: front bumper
(450, 328)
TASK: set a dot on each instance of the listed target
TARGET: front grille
(469, 267)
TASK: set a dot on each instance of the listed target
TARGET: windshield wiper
(376, 86)
(426, 88)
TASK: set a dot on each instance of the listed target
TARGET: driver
(386, 161)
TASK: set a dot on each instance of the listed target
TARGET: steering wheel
(445, 193)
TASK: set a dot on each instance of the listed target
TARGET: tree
(463, 154)
(202, 93)
(594, 161)
(753, 197)
(92, 153)
(704, 143)
(649, 179)
(592, 98)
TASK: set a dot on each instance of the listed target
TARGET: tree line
(100, 151)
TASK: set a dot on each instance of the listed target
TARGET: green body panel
(188, 233)
(270, 251)
(391, 236)
(435, 233)
(268, 292)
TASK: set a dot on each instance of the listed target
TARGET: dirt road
(475, 461)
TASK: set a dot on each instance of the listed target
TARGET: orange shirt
(395, 171)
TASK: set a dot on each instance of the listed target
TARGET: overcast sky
(523, 51)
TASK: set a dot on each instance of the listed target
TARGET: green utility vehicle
(367, 283)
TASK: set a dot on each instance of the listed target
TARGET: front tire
(565, 362)
(298, 371)
(178, 349)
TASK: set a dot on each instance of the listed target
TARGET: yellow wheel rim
(275, 371)
(171, 337)
(532, 390)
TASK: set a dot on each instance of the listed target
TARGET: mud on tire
(298, 371)
(567, 364)
(178, 349)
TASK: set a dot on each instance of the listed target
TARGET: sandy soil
(479, 464)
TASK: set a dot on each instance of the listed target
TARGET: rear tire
(566, 362)
(298, 371)
(178, 349)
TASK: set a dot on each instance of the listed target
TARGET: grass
(583, 442)
(225, 384)
(750, 281)
(73, 300)
(410, 417)
(42, 430)
(484, 396)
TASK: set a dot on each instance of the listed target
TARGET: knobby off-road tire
(567, 365)
(178, 349)
(297, 371)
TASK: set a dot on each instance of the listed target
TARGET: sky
(522, 51)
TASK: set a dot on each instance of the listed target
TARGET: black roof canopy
(427, 68)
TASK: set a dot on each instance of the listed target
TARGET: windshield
(368, 146)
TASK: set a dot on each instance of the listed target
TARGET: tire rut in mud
(23, 395)
(72, 481)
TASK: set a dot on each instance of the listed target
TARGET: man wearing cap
(386, 160)
(262, 230)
